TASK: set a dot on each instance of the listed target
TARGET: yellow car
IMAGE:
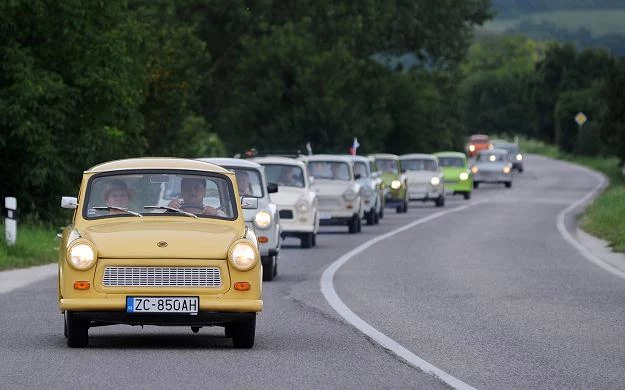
(159, 241)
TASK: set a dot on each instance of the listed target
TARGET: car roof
(231, 162)
(155, 163)
(450, 154)
(277, 160)
(417, 155)
(327, 157)
(478, 137)
(385, 155)
(493, 151)
(363, 159)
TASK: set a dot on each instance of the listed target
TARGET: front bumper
(424, 192)
(202, 318)
(492, 177)
(118, 304)
(459, 186)
(292, 221)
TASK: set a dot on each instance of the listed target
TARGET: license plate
(183, 305)
(325, 216)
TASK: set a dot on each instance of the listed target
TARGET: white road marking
(327, 288)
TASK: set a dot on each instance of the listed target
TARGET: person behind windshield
(243, 182)
(288, 178)
(339, 172)
(118, 195)
(193, 191)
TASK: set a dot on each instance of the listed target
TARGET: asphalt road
(491, 294)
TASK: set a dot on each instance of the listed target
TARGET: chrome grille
(161, 277)
(327, 203)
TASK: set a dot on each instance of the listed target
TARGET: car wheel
(476, 184)
(381, 213)
(359, 225)
(314, 239)
(269, 265)
(404, 208)
(508, 184)
(467, 195)
(77, 331)
(243, 333)
(371, 217)
(440, 201)
(306, 240)
(195, 329)
(376, 219)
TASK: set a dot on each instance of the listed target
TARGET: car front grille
(161, 277)
(286, 214)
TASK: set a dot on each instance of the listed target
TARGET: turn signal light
(82, 285)
(263, 239)
(242, 286)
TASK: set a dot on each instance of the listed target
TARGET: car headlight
(82, 256)
(435, 181)
(519, 157)
(464, 176)
(506, 169)
(349, 194)
(303, 206)
(474, 170)
(396, 184)
(262, 220)
(366, 191)
(243, 256)
(472, 148)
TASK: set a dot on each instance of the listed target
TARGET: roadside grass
(605, 216)
(35, 245)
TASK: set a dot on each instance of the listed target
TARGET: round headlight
(472, 148)
(243, 256)
(303, 206)
(262, 220)
(506, 169)
(519, 157)
(435, 181)
(349, 194)
(396, 184)
(81, 256)
(464, 176)
(474, 169)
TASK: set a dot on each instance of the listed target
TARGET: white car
(369, 186)
(492, 166)
(296, 201)
(424, 178)
(264, 219)
(338, 193)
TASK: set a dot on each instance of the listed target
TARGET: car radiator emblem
(161, 244)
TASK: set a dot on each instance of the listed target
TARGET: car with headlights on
(372, 201)
(296, 201)
(477, 143)
(395, 186)
(264, 219)
(338, 194)
(492, 166)
(514, 153)
(424, 178)
(456, 172)
(159, 241)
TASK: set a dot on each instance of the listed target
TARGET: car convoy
(181, 242)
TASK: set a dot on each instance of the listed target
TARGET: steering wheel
(188, 207)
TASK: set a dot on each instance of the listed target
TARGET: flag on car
(354, 147)
(309, 148)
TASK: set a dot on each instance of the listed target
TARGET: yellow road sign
(580, 119)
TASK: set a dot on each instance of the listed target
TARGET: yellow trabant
(159, 241)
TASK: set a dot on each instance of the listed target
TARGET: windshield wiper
(125, 210)
(171, 209)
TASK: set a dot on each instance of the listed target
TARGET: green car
(395, 188)
(458, 176)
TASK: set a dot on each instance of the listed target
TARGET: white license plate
(325, 216)
(184, 305)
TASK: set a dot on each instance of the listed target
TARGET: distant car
(424, 177)
(457, 174)
(514, 153)
(338, 193)
(395, 187)
(379, 185)
(492, 166)
(128, 257)
(477, 143)
(264, 219)
(372, 201)
(296, 200)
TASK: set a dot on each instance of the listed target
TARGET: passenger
(193, 191)
(243, 182)
(117, 194)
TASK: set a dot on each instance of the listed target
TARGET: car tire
(476, 184)
(77, 331)
(353, 224)
(371, 217)
(404, 208)
(376, 219)
(195, 329)
(508, 184)
(243, 333)
(467, 195)
(359, 227)
(440, 201)
(270, 263)
(381, 213)
(306, 240)
(314, 239)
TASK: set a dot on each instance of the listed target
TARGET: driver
(193, 191)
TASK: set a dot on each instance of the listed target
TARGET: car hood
(196, 240)
(287, 196)
(334, 187)
(388, 177)
(490, 167)
(420, 176)
(452, 173)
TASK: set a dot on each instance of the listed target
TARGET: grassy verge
(34, 246)
(605, 216)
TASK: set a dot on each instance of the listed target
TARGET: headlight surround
(519, 157)
(302, 206)
(81, 256)
(262, 220)
(396, 184)
(243, 256)
(472, 148)
(366, 191)
(350, 194)
(463, 176)
(474, 169)
(435, 181)
(506, 169)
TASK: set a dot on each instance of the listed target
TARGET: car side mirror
(357, 176)
(272, 188)
(249, 203)
(69, 202)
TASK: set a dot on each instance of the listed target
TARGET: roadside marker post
(10, 220)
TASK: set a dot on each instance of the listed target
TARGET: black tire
(376, 218)
(476, 184)
(353, 225)
(381, 213)
(195, 329)
(371, 217)
(306, 240)
(404, 208)
(358, 224)
(243, 333)
(508, 184)
(228, 330)
(440, 201)
(314, 239)
(77, 331)
(269, 267)
(398, 209)
(467, 195)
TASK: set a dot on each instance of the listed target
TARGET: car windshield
(455, 162)
(360, 168)
(387, 165)
(159, 193)
(285, 175)
(491, 157)
(512, 149)
(334, 170)
(420, 164)
(249, 181)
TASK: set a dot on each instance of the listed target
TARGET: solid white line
(569, 237)
(327, 288)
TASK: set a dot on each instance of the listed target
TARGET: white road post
(10, 223)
